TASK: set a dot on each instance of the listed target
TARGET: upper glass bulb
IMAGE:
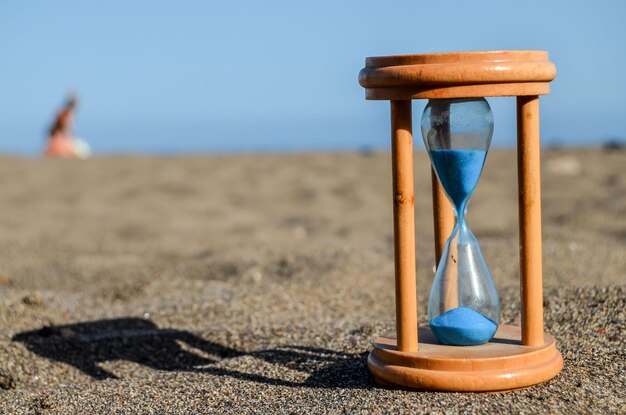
(457, 124)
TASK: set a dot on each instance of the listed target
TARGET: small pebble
(33, 299)
(4, 280)
(67, 332)
(6, 381)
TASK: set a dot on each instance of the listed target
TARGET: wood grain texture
(453, 57)
(457, 74)
(404, 224)
(529, 186)
(443, 216)
(503, 364)
(458, 91)
(461, 73)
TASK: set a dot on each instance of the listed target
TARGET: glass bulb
(463, 307)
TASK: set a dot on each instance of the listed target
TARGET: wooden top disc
(457, 75)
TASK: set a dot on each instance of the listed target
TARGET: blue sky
(185, 76)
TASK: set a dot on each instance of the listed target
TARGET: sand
(256, 283)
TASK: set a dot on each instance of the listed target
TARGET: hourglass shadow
(87, 344)
(501, 340)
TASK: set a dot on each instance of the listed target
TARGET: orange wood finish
(443, 216)
(404, 225)
(457, 75)
(456, 57)
(503, 364)
(516, 357)
(529, 185)
(460, 91)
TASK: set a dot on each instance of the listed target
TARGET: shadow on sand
(85, 345)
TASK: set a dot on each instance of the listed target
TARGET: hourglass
(464, 347)
(463, 307)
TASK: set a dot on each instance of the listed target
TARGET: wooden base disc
(502, 364)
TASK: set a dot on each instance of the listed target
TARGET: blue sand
(463, 326)
(458, 171)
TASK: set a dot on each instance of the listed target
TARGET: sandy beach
(256, 283)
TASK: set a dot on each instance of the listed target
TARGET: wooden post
(529, 185)
(404, 225)
(443, 216)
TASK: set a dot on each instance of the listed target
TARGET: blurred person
(61, 142)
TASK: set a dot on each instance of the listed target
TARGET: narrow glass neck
(459, 213)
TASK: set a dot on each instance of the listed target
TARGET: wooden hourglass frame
(516, 357)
